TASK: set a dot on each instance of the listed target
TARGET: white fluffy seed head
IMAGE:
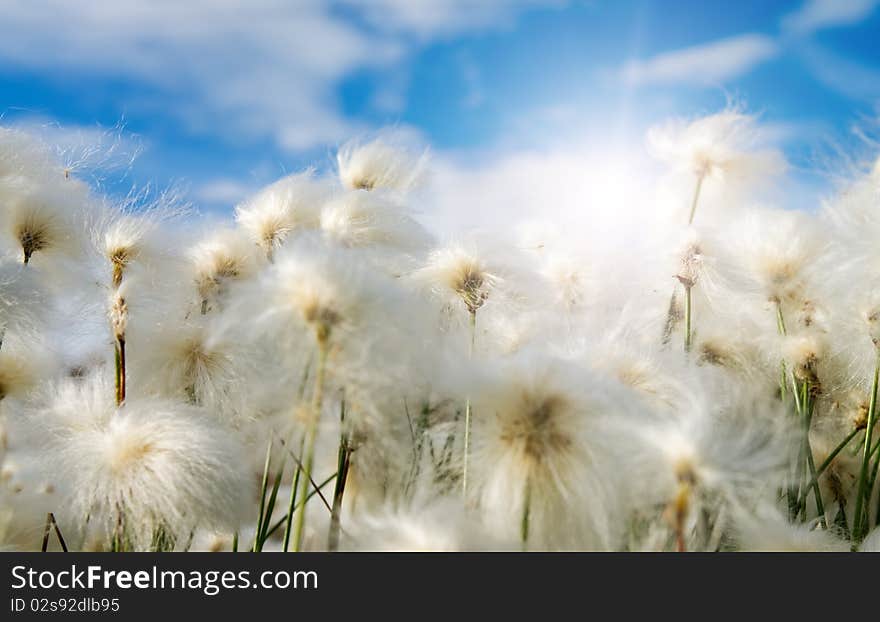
(698, 262)
(775, 250)
(278, 211)
(658, 379)
(150, 465)
(871, 318)
(23, 365)
(195, 363)
(324, 291)
(122, 244)
(458, 274)
(442, 526)
(805, 351)
(722, 146)
(220, 260)
(379, 165)
(536, 444)
(126, 240)
(357, 219)
(24, 299)
(724, 442)
(44, 221)
(766, 530)
(572, 281)
(22, 155)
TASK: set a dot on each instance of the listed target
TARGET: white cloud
(257, 69)
(436, 18)
(474, 95)
(265, 67)
(390, 96)
(847, 77)
(818, 14)
(389, 100)
(222, 191)
(710, 63)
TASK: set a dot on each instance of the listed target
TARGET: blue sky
(226, 96)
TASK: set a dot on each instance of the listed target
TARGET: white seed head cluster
(165, 379)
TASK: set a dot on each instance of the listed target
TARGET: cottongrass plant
(322, 372)
(276, 213)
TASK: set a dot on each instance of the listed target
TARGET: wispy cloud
(474, 95)
(428, 19)
(265, 67)
(222, 191)
(710, 63)
(848, 77)
(261, 69)
(818, 14)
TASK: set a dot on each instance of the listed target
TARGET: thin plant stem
(467, 411)
(782, 382)
(416, 446)
(858, 524)
(285, 520)
(679, 508)
(794, 490)
(524, 523)
(263, 486)
(58, 532)
(876, 447)
(419, 448)
(343, 463)
(780, 328)
(118, 542)
(688, 315)
(805, 428)
(672, 319)
(235, 541)
(120, 370)
(299, 464)
(680, 544)
(780, 319)
(263, 527)
(696, 199)
(46, 530)
(311, 435)
(797, 397)
(291, 507)
(811, 467)
(868, 496)
(297, 469)
(827, 462)
(671, 316)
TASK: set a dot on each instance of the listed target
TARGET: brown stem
(51, 522)
(120, 370)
